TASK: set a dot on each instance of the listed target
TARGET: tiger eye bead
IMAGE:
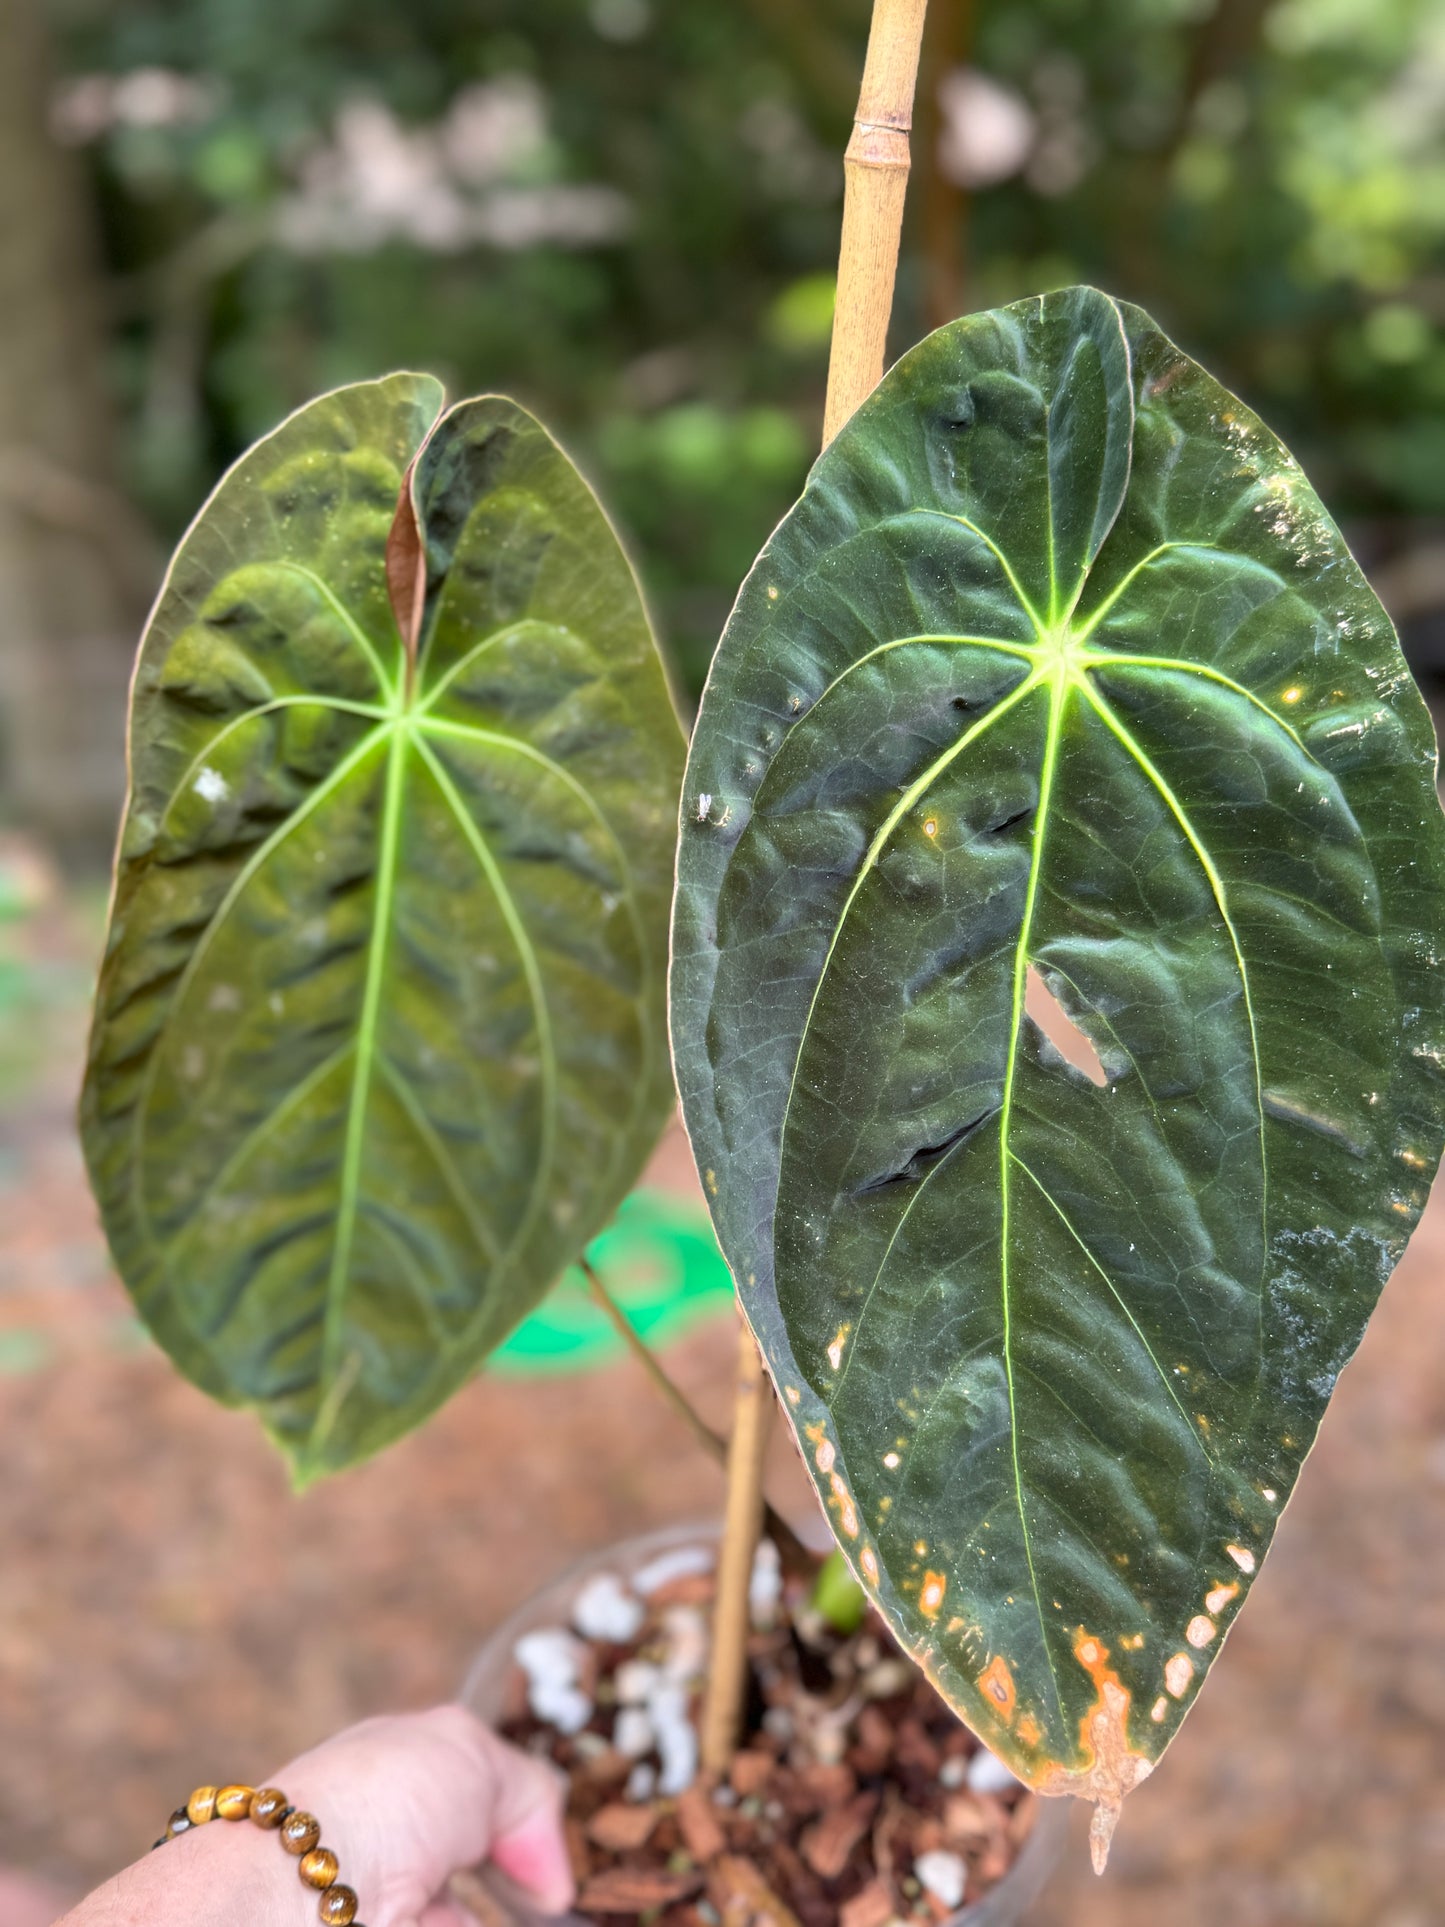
(268, 1807)
(234, 1802)
(201, 1806)
(338, 1907)
(179, 1822)
(320, 1867)
(300, 1833)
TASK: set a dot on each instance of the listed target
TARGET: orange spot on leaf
(1112, 1767)
(930, 1596)
(997, 1683)
(1178, 1671)
(847, 1511)
(1219, 1598)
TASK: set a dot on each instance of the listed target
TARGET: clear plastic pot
(486, 1684)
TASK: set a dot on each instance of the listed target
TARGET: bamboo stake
(875, 174)
(875, 180)
(794, 1553)
(727, 1676)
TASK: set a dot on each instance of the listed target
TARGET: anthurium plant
(1056, 709)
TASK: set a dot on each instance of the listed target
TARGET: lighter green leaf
(378, 1041)
(1060, 680)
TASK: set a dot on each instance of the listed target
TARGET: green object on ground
(660, 1261)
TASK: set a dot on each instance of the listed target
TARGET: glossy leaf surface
(1058, 687)
(379, 1038)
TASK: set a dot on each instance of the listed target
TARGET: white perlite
(634, 1681)
(765, 1588)
(676, 1739)
(944, 1875)
(685, 1631)
(632, 1734)
(551, 1660)
(606, 1610)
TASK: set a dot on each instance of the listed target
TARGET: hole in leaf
(1072, 1044)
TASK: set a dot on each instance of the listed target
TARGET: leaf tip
(1101, 1832)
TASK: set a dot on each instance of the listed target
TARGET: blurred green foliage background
(626, 212)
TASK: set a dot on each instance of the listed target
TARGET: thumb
(528, 1844)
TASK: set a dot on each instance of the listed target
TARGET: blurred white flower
(445, 187)
(90, 105)
(987, 131)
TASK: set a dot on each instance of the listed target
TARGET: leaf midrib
(388, 845)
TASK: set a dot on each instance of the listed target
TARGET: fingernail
(534, 1854)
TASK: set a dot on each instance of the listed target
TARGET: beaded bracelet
(300, 1835)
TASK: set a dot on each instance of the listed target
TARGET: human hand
(408, 1801)
(404, 1803)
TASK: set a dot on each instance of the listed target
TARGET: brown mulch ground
(169, 1613)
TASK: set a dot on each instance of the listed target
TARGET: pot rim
(1002, 1906)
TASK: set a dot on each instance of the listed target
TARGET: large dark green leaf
(379, 1038)
(1059, 667)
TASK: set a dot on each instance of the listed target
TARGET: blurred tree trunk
(943, 204)
(74, 560)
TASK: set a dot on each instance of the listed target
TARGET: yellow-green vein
(203, 756)
(348, 1191)
(917, 789)
(642, 1082)
(1029, 651)
(1139, 1333)
(345, 617)
(295, 1094)
(1061, 684)
(835, 1391)
(440, 1155)
(531, 971)
(1096, 659)
(1040, 627)
(259, 856)
(1216, 883)
(507, 633)
(1092, 621)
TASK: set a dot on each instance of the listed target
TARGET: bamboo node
(874, 145)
